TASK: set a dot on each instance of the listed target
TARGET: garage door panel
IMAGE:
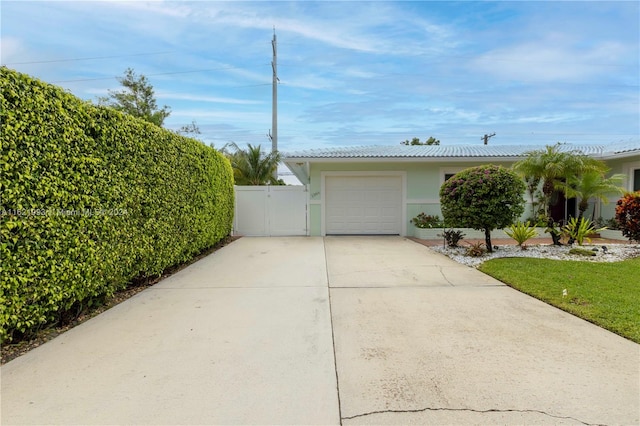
(363, 204)
(371, 197)
(388, 212)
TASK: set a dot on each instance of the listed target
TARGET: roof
(454, 151)
(622, 147)
(295, 161)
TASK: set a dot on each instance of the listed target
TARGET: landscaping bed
(601, 252)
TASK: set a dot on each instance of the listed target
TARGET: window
(636, 180)
(447, 172)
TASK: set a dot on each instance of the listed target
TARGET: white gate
(270, 211)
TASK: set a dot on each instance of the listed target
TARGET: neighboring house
(378, 189)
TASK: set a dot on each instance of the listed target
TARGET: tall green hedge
(92, 198)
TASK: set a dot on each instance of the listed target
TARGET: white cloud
(552, 59)
(311, 82)
(547, 118)
(171, 9)
(200, 98)
(346, 25)
(385, 71)
(12, 50)
(359, 73)
(228, 116)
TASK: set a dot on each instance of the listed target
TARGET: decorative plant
(452, 237)
(628, 215)
(612, 224)
(475, 249)
(606, 223)
(521, 232)
(483, 198)
(578, 229)
(426, 221)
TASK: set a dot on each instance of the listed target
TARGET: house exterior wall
(423, 175)
(423, 181)
(626, 166)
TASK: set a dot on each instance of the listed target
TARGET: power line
(87, 58)
(148, 75)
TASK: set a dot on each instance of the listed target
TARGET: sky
(350, 73)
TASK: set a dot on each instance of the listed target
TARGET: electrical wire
(147, 75)
(86, 59)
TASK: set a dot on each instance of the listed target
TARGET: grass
(606, 294)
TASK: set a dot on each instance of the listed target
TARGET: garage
(360, 205)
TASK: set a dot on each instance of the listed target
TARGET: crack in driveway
(444, 276)
(491, 410)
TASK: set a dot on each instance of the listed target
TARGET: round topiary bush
(628, 215)
(483, 198)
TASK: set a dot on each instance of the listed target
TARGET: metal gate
(270, 211)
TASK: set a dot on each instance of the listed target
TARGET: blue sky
(351, 73)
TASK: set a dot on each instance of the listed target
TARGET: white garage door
(363, 205)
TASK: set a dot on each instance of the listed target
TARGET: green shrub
(606, 223)
(424, 221)
(579, 229)
(611, 224)
(93, 198)
(520, 232)
(628, 215)
(483, 198)
(452, 237)
(539, 220)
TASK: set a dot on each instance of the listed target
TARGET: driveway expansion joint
(491, 410)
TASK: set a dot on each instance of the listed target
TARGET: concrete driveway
(340, 330)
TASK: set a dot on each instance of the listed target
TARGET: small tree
(137, 98)
(552, 166)
(416, 141)
(591, 184)
(483, 198)
(628, 215)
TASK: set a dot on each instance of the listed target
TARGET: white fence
(270, 211)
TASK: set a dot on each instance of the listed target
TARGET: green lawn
(606, 294)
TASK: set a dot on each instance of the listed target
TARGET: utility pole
(274, 107)
(486, 138)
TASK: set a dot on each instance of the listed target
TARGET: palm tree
(252, 166)
(591, 184)
(552, 167)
